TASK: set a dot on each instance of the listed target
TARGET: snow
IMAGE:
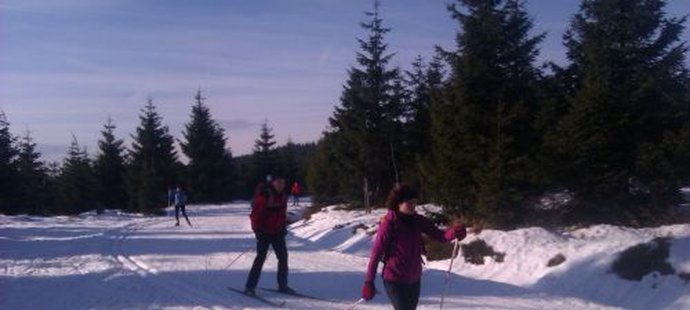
(124, 261)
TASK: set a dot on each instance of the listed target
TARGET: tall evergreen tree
(365, 127)
(76, 186)
(8, 169)
(620, 140)
(153, 167)
(109, 169)
(423, 82)
(288, 162)
(210, 168)
(323, 177)
(265, 157)
(32, 197)
(482, 125)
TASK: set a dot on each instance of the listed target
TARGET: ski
(296, 294)
(259, 298)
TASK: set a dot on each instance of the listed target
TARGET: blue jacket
(179, 198)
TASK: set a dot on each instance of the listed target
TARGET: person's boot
(286, 289)
(177, 223)
(249, 291)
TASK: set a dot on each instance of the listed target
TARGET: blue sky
(66, 65)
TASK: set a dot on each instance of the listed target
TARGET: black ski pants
(179, 208)
(280, 248)
(403, 296)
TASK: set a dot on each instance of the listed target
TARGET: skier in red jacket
(269, 223)
(295, 191)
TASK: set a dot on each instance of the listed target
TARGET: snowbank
(124, 261)
(585, 274)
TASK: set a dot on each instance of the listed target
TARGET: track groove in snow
(120, 261)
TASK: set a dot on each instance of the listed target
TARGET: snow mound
(585, 273)
(124, 261)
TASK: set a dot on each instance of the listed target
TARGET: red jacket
(295, 189)
(269, 211)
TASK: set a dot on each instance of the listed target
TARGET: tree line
(480, 129)
(485, 132)
(138, 178)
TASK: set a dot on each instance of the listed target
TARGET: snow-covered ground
(123, 261)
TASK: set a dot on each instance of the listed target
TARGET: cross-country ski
(259, 298)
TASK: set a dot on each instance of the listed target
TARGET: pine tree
(265, 157)
(76, 184)
(364, 133)
(288, 163)
(154, 167)
(423, 82)
(482, 125)
(210, 168)
(322, 175)
(8, 169)
(620, 141)
(109, 170)
(32, 197)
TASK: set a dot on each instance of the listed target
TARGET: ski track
(164, 283)
(191, 293)
(146, 263)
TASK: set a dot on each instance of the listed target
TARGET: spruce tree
(288, 162)
(482, 125)
(364, 133)
(109, 170)
(423, 82)
(33, 196)
(323, 176)
(8, 169)
(153, 167)
(265, 156)
(76, 186)
(210, 168)
(620, 140)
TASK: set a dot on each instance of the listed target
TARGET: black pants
(279, 247)
(177, 213)
(403, 296)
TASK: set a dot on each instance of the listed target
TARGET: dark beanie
(407, 193)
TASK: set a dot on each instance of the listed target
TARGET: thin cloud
(234, 125)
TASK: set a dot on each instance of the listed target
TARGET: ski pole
(456, 242)
(360, 301)
(238, 257)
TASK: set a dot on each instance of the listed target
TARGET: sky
(68, 65)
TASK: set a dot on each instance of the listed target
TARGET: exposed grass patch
(639, 260)
(556, 260)
(435, 250)
(359, 226)
(309, 211)
(475, 251)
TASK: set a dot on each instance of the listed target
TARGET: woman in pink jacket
(398, 243)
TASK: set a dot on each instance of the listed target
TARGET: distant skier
(180, 199)
(398, 243)
(269, 223)
(295, 191)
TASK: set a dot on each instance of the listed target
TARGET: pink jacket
(403, 238)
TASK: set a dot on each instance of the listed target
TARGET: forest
(480, 129)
